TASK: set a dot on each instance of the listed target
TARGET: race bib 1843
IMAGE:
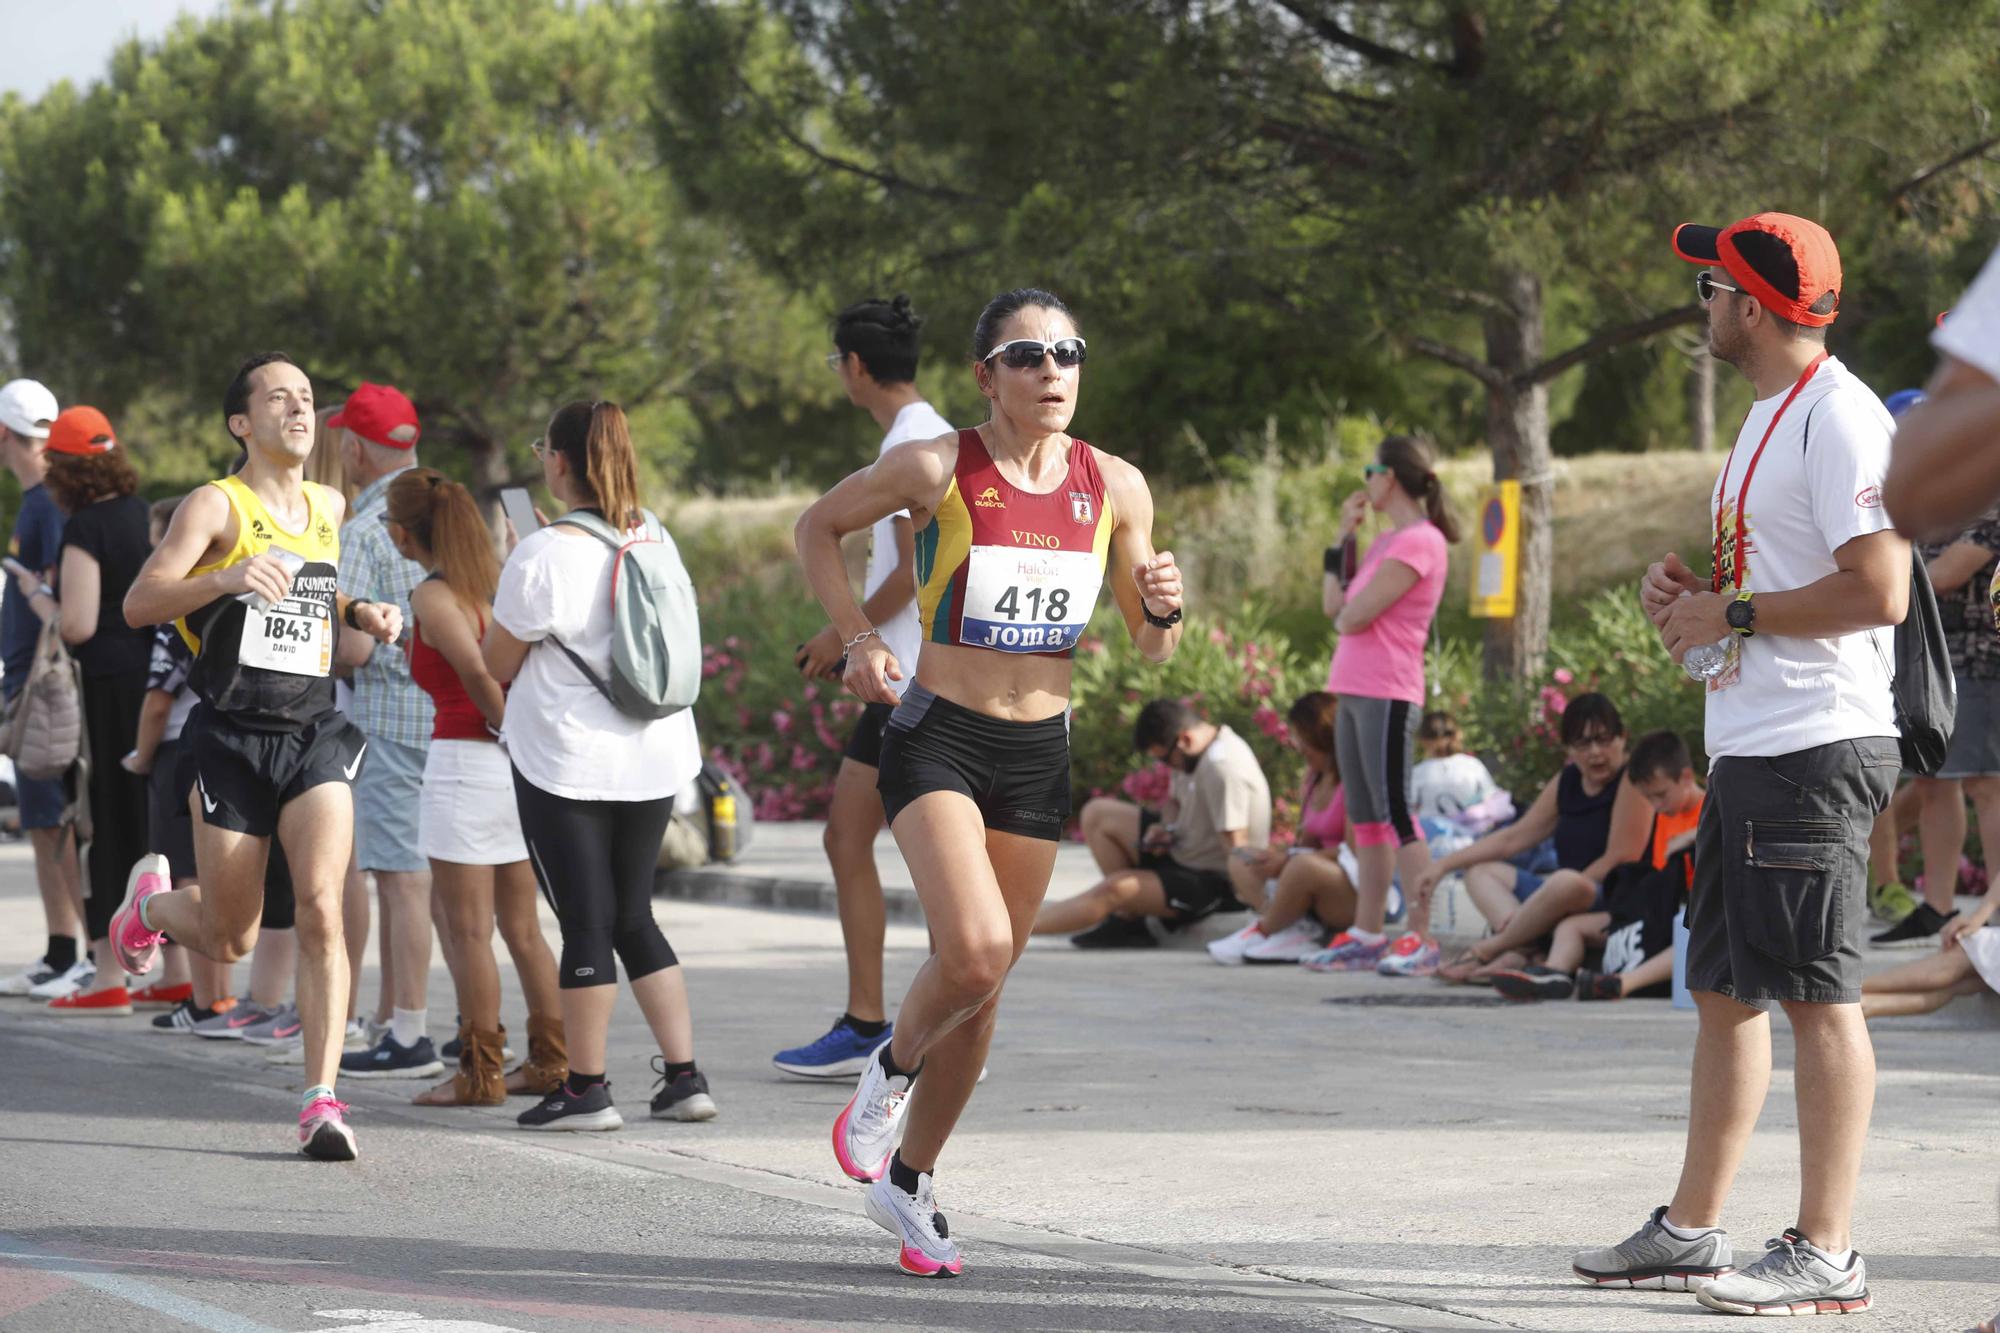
(295, 637)
(1024, 601)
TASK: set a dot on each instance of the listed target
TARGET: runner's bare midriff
(1016, 687)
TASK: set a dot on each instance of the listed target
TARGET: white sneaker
(360, 1035)
(1229, 950)
(927, 1249)
(26, 980)
(81, 973)
(865, 1133)
(1294, 942)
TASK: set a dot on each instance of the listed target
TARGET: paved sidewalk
(1162, 1144)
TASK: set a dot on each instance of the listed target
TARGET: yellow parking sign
(1497, 566)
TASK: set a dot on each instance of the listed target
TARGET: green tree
(1483, 187)
(457, 196)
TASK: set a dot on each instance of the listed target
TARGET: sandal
(1510, 959)
(1462, 966)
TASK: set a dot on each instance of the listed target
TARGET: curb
(736, 888)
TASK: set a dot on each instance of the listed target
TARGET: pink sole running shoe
(1346, 954)
(137, 947)
(1410, 956)
(323, 1132)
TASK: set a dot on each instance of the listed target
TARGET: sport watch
(1742, 614)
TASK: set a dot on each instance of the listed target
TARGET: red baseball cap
(1788, 263)
(83, 431)
(379, 414)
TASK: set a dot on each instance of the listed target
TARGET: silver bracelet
(870, 632)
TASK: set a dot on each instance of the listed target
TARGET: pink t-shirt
(1326, 826)
(1386, 660)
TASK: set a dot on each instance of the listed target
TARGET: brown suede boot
(547, 1062)
(478, 1081)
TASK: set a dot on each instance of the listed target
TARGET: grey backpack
(655, 630)
(43, 729)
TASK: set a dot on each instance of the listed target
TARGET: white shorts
(1983, 948)
(467, 813)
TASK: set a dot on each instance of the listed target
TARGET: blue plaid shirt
(388, 705)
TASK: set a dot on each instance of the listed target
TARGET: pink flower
(1216, 634)
(781, 722)
(802, 760)
(1148, 786)
(1564, 676)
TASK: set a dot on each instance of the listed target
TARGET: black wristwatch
(353, 604)
(1742, 614)
(1161, 622)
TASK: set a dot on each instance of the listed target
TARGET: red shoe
(162, 996)
(112, 1003)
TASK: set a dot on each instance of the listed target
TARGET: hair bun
(905, 313)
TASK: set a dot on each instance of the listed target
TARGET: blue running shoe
(841, 1053)
(390, 1060)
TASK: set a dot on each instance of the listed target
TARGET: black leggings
(118, 799)
(596, 861)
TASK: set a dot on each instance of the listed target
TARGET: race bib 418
(1025, 601)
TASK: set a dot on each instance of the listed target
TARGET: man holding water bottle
(1790, 632)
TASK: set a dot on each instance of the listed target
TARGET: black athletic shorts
(1017, 773)
(864, 743)
(1191, 892)
(172, 829)
(244, 778)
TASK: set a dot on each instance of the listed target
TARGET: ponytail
(1413, 462)
(597, 442)
(441, 516)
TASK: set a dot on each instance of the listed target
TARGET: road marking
(132, 1290)
(405, 1321)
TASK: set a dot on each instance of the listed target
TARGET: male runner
(247, 572)
(876, 347)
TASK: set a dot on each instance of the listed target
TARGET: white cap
(27, 408)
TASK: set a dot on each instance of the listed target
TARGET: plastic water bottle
(1706, 661)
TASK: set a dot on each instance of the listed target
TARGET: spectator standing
(379, 432)
(595, 786)
(1383, 615)
(1946, 471)
(26, 411)
(1801, 734)
(1172, 864)
(106, 538)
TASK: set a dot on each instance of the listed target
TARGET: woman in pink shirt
(1382, 611)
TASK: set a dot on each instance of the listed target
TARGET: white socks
(1366, 936)
(409, 1026)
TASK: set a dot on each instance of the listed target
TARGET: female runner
(1016, 526)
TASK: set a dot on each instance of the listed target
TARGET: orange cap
(1788, 263)
(83, 431)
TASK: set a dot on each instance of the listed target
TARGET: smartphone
(13, 566)
(520, 510)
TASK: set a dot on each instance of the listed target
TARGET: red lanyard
(1722, 489)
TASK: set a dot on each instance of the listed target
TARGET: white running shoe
(927, 1249)
(1294, 942)
(865, 1133)
(81, 973)
(1229, 950)
(360, 1035)
(25, 981)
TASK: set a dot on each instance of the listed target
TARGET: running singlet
(1012, 570)
(270, 669)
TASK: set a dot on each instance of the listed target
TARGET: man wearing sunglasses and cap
(1794, 619)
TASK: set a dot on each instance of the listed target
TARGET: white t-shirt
(1971, 332)
(1817, 487)
(562, 734)
(1446, 788)
(917, 421)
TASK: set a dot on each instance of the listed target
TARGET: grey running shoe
(230, 1023)
(1656, 1258)
(281, 1026)
(1790, 1279)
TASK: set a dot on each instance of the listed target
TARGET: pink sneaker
(136, 946)
(323, 1131)
(1411, 956)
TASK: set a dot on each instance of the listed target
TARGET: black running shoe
(562, 1110)
(1599, 985)
(685, 1097)
(1116, 932)
(1534, 983)
(1915, 931)
(390, 1059)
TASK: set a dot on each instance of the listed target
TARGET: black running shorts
(244, 778)
(1017, 773)
(864, 743)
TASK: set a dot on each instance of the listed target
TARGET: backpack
(43, 728)
(1641, 902)
(656, 629)
(1925, 694)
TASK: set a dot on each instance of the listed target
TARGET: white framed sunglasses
(1027, 353)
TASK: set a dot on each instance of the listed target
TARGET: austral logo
(257, 527)
(325, 531)
(990, 499)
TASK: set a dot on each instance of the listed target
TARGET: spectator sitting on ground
(1966, 962)
(1636, 927)
(1447, 782)
(1311, 894)
(1599, 820)
(1173, 864)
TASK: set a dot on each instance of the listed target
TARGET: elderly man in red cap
(1791, 631)
(376, 431)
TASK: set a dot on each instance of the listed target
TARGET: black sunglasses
(1027, 353)
(1705, 286)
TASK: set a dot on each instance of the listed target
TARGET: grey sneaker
(230, 1023)
(1656, 1258)
(1792, 1278)
(281, 1026)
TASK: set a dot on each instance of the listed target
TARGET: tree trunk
(1701, 399)
(489, 473)
(1517, 431)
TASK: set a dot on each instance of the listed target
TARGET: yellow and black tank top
(270, 668)
(1010, 570)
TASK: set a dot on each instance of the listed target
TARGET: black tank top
(1583, 822)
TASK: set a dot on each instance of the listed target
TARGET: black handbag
(1925, 693)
